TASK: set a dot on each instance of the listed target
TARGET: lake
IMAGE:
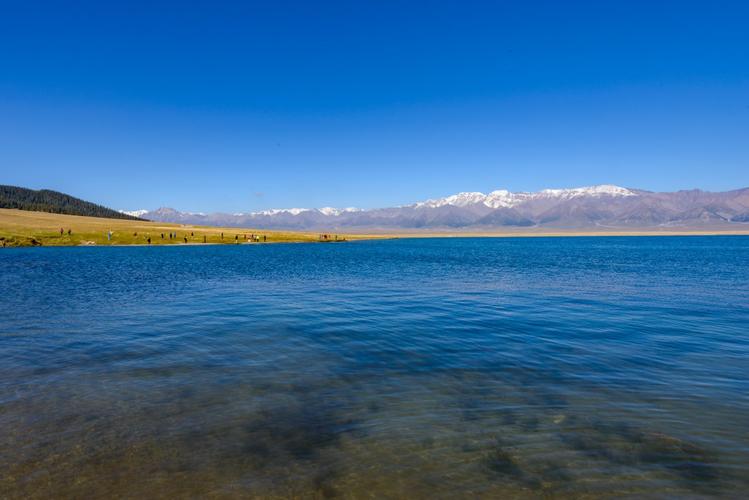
(416, 368)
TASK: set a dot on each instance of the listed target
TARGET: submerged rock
(687, 459)
(501, 461)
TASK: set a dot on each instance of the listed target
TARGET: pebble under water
(413, 368)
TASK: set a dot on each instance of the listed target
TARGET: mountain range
(603, 207)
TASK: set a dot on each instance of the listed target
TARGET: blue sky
(222, 106)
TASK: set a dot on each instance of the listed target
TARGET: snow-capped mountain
(276, 211)
(506, 199)
(602, 206)
(134, 213)
(338, 211)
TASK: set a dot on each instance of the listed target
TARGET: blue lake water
(419, 368)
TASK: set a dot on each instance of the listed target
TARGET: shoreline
(373, 237)
(20, 228)
(197, 244)
(570, 234)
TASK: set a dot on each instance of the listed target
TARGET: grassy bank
(24, 228)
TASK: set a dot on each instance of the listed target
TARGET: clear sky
(236, 106)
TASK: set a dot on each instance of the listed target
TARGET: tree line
(45, 200)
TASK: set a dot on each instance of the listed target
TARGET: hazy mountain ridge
(592, 207)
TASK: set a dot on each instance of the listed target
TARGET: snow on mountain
(600, 190)
(276, 211)
(327, 211)
(330, 211)
(134, 213)
(456, 200)
(502, 198)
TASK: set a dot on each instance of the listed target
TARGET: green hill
(45, 200)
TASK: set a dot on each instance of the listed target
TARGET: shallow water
(429, 368)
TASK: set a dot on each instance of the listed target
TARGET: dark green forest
(45, 200)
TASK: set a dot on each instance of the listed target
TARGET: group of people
(328, 237)
(253, 237)
(256, 238)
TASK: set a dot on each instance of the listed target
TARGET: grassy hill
(24, 228)
(51, 201)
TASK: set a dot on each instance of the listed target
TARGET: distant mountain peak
(338, 211)
(457, 200)
(276, 211)
(329, 211)
(502, 198)
(599, 190)
(134, 213)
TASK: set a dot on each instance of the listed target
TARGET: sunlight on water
(573, 367)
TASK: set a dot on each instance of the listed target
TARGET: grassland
(25, 228)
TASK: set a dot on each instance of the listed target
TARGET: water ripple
(495, 368)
